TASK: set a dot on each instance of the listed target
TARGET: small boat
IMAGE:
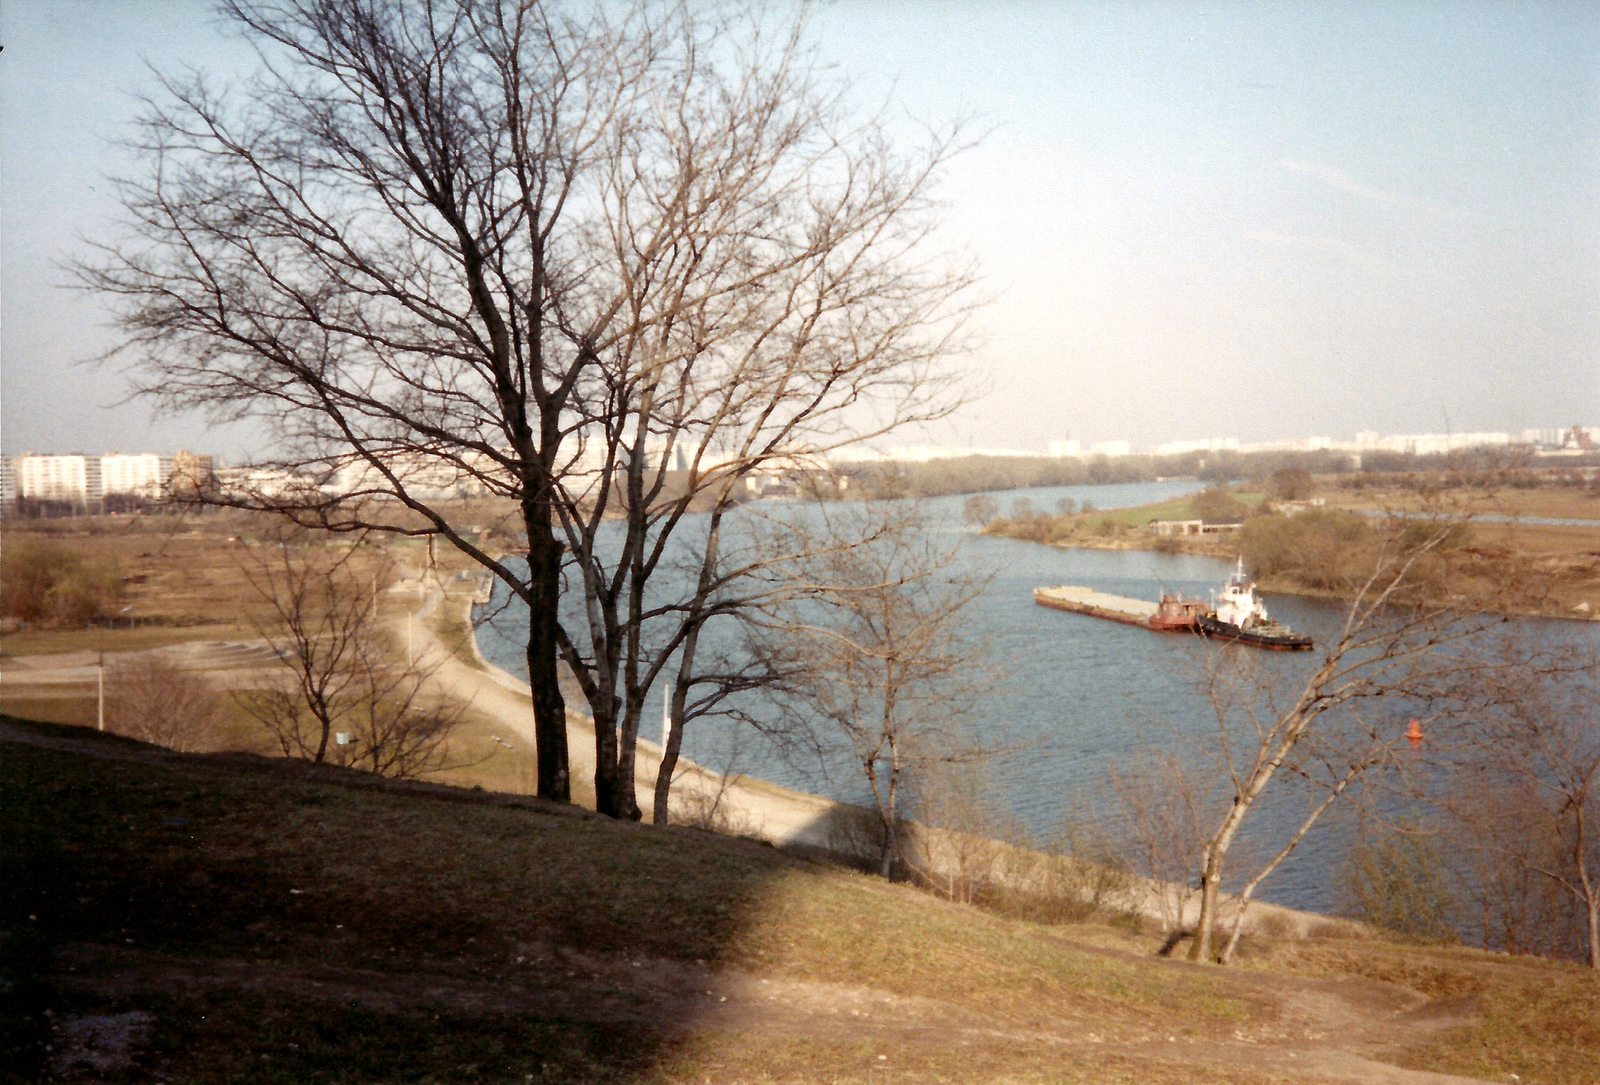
(1239, 617)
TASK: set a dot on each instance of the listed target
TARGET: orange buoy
(1415, 733)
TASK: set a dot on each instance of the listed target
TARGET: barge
(1238, 617)
(1171, 615)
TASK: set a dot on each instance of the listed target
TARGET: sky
(1263, 220)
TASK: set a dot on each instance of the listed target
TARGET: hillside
(211, 918)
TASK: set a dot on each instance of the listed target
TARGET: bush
(1398, 883)
(1319, 549)
(1217, 506)
(156, 701)
(42, 582)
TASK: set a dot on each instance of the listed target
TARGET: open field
(1560, 503)
(270, 921)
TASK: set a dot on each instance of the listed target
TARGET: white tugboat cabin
(1237, 605)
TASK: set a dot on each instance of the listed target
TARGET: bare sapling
(346, 693)
(1161, 803)
(875, 665)
(1526, 783)
(1327, 727)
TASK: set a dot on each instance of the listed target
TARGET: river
(1079, 695)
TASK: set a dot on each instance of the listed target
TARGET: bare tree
(320, 614)
(1397, 643)
(155, 700)
(556, 253)
(1161, 803)
(342, 695)
(871, 652)
(1529, 787)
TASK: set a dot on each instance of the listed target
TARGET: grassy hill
(228, 918)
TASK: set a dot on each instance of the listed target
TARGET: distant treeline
(978, 474)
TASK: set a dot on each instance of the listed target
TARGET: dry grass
(1554, 502)
(443, 911)
(193, 861)
(1534, 1018)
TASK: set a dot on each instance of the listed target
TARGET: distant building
(71, 480)
(82, 483)
(1064, 449)
(143, 475)
(8, 483)
(192, 475)
(1111, 448)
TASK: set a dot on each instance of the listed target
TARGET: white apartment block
(85, 481)
(1206, 444)
(74, 479)
(144, 475)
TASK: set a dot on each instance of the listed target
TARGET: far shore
(1567, 553)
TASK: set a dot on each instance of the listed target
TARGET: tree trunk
(679, 695)
(627, 748)
(1210, 889)
(549, 706)
(1211, 879)
(1594, 931)
(607, 785)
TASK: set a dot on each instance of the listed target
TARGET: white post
(666, 719)
(100, 694)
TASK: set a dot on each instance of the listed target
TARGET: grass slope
(240, 919)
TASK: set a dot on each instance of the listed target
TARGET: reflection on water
(1081, 693)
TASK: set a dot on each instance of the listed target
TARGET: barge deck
(1096, 604)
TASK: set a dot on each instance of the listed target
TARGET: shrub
(1398, 882)
(42, 582)
(1290, 483)
(1216, 505)
(1318, 548)
(156, 701)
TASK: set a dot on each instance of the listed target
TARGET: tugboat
(1240, 617)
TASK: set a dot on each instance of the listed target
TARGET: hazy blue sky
(1258, 220)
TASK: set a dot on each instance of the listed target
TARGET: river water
(1079, 694)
